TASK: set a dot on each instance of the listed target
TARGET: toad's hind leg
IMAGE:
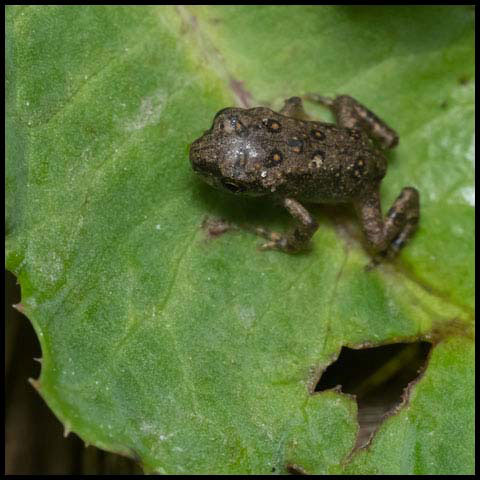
(387, 236)
(352, 114)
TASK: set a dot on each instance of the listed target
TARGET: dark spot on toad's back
(317, 134)
(275, 158)
(295, 144)
(272, 125)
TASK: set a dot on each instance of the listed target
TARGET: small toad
(283, 155)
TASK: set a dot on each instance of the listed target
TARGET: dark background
(34, 441)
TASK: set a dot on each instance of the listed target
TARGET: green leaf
(197, 355)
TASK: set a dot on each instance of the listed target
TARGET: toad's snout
(196, 158)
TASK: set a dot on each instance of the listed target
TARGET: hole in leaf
(378, 377)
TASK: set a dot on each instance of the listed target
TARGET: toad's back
(263, 152)
(315, 161)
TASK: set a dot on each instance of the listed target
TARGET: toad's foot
(277, 241)
(298, 238)
(386, 237)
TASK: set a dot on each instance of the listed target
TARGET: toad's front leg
(299, 237)
(387, 236)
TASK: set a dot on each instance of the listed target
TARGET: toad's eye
(233, 187)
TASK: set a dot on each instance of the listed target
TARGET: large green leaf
(195, 354)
